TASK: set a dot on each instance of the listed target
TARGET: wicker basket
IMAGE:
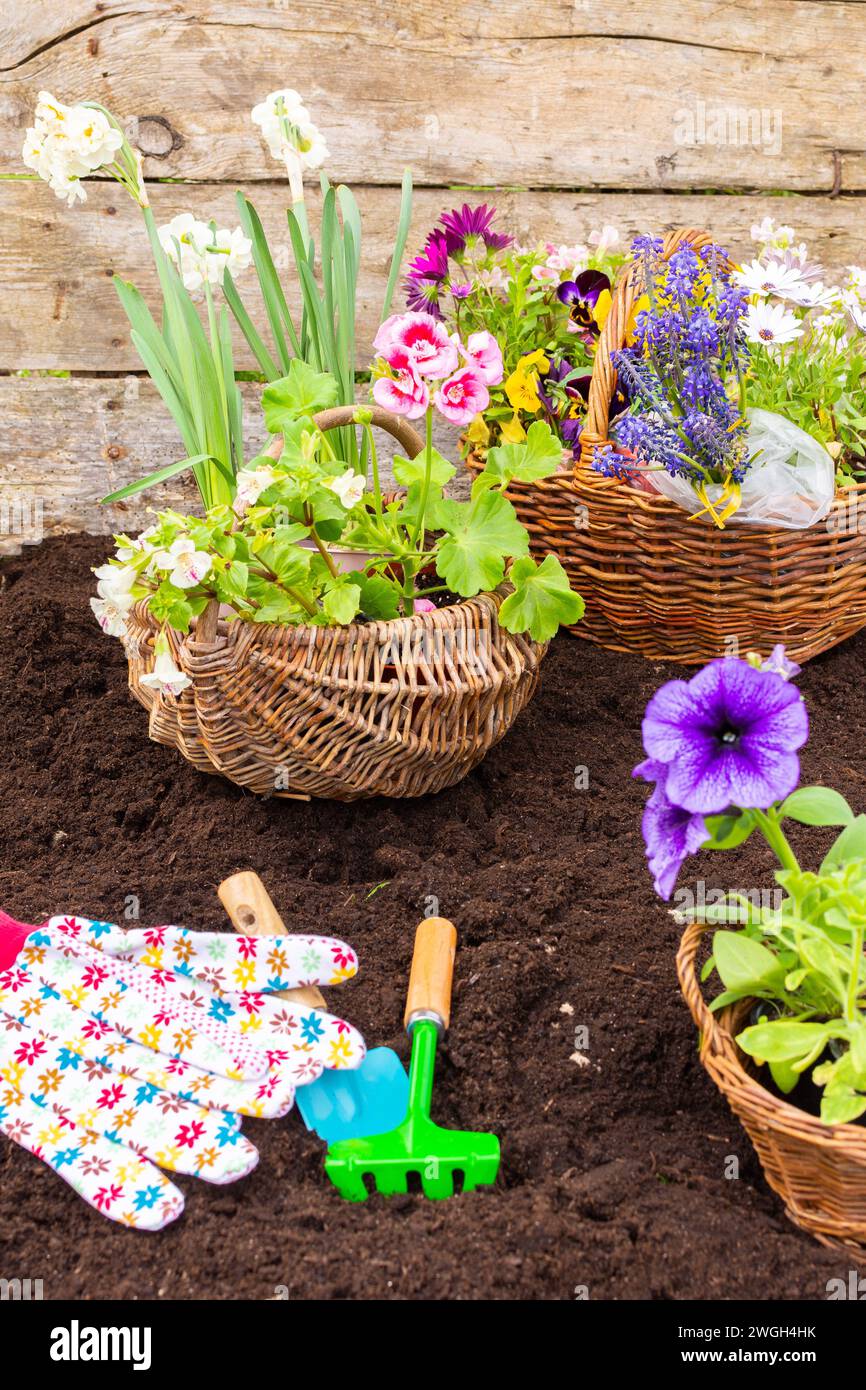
(666, 587)
(818, 1170)
(397, 708)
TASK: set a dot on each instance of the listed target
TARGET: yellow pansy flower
(521, 387)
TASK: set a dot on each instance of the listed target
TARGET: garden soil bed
(613, 1174)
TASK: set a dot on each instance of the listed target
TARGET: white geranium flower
(290, 135)
(349, 487)
(187, 565)
(604, 240)
(250, 484)
(166, 678)
(771, 324)
(202, 252)
(770, 277)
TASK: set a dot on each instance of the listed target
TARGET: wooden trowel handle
(432, 972)
(248, 904)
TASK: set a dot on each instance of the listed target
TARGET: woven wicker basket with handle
(818, 1170)
(666, 587)
(396, 708)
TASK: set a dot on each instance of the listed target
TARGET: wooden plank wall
(567, 113)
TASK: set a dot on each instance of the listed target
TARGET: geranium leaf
(342, 602)
(471, 558)
(539, 455)
(302, 393)
(409, 471)
(542, 600)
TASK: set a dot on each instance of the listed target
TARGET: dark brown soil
(613, 1173)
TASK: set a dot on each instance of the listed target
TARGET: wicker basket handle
(340, 415)
(690, 984)
(627, 291)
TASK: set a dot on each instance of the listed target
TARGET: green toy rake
(440, 1158)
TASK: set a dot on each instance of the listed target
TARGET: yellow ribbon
(727, 503)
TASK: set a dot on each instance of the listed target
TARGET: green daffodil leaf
(542, 600)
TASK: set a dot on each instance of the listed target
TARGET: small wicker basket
(397, 708)
(669, 588)
(818, 1170)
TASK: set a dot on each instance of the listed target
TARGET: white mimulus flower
(349, 487)
(188, 566)
(290, 136)
(605, 239)
(206, 252)
(770, 277)
(771, 324)
(110, 615)
(250, 484)
(115, 583)
(166, 678)
(131, 548)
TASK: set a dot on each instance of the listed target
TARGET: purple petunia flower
(728, 737)
(670, 833)
(781, 663)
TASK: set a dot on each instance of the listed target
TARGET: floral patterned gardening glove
(126, 1052)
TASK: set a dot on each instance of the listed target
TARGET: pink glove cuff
(12, 937)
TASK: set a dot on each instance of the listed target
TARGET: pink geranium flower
(482, 352)
(462, 396)
(422, 338)
(403, 391)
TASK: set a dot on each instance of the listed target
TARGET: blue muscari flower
(220, 1009)
(146, 1197)
(312, 1028)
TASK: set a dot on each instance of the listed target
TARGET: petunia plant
(723, 754)
(544, 306)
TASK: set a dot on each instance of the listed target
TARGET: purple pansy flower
(728, 737)
(581, 296)
(670, 833)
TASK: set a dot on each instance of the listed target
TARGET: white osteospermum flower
(187, 565)
(250, 484)
(767, 234)
(166, 677)
(814, 295)
(770, 277)
(857, 310)
(349, 487)
(771, 324)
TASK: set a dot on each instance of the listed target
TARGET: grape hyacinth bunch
(685, 371)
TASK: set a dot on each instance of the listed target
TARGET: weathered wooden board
(59, 309)
(66, 443)
(547, 94)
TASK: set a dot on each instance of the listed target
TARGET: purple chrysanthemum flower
(670, 833)
(466, 225)
(728, 737)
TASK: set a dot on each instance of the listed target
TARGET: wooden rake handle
(430, 979)
(248, 904)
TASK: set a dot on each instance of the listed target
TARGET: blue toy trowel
(341, 1104)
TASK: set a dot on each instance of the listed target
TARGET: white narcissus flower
(250, 483)
(290, 135)
(166, 677)
(187, 565)
(202, 252)
(349, 487)
(67, 142)
(771, 324)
